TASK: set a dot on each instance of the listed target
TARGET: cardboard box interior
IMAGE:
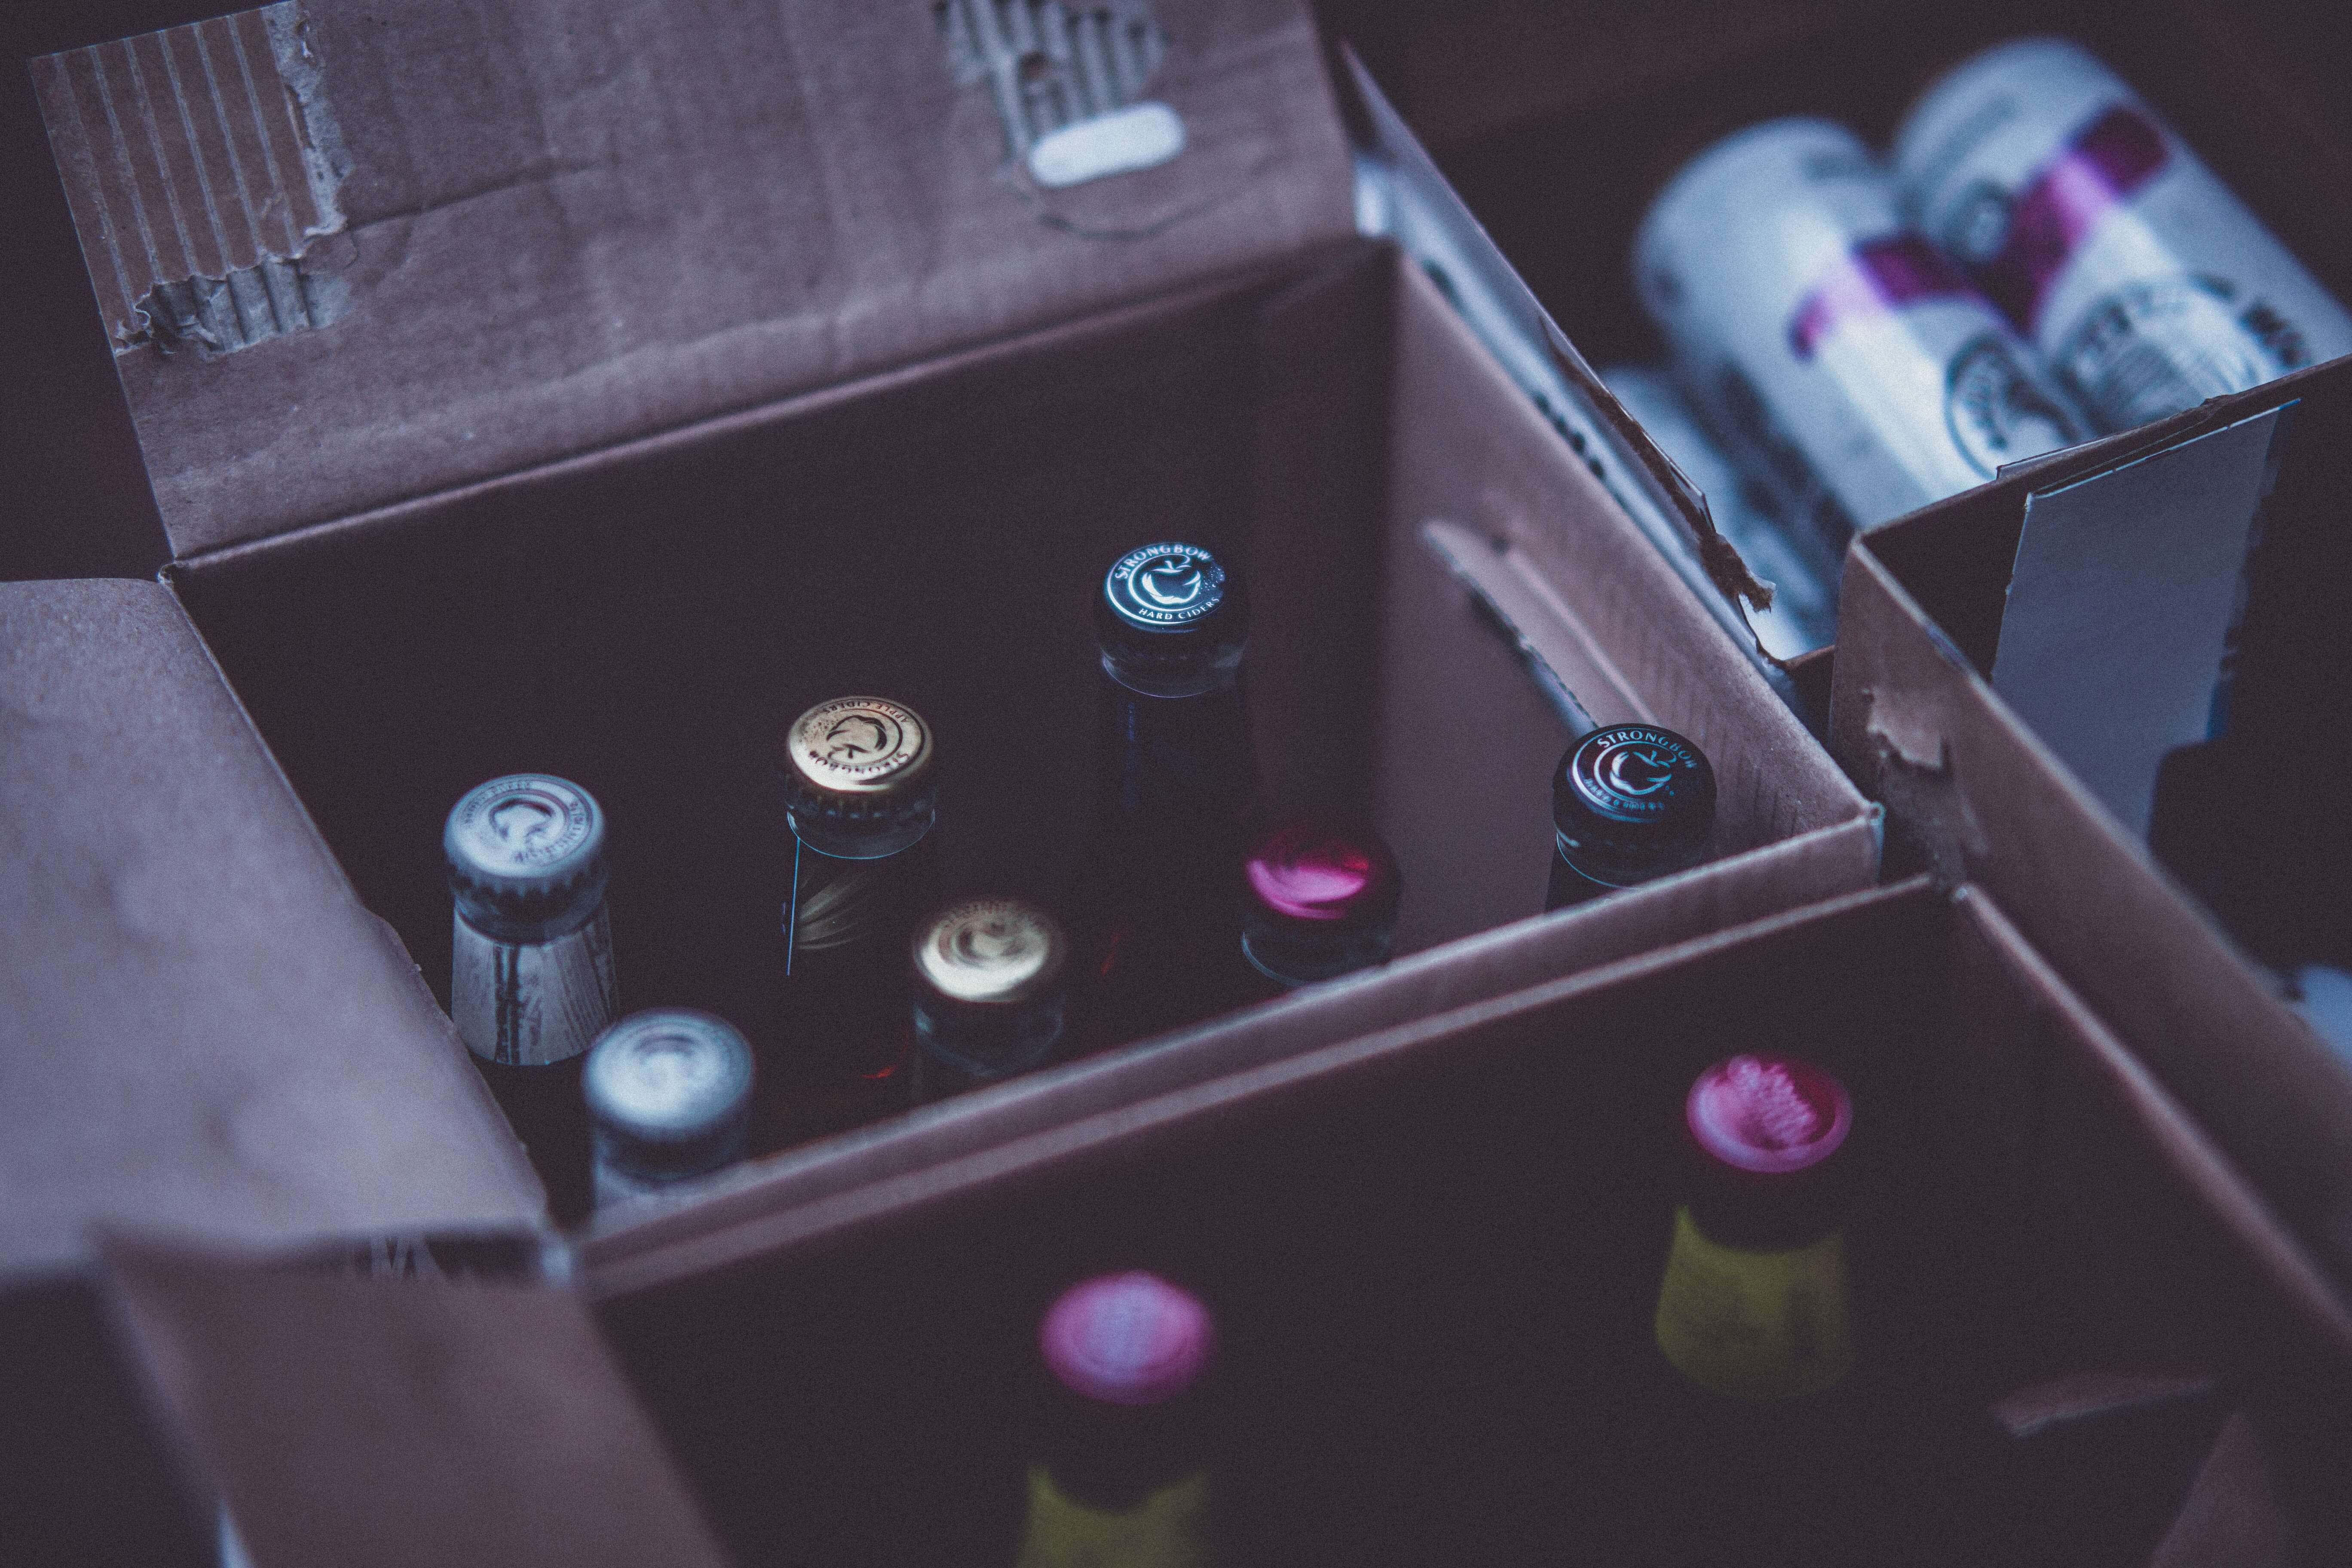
(1434, 1251)
(644, 619)
(1562, 186)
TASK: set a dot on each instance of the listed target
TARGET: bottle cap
(1771, 1115)
(860, 765)
(1126, 1339)
(526, 856)
(1634, 790)
(673, 1077)
(998, 953)
(1323, 871)
(1172, 618)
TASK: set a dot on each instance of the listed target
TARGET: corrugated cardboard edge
(1002, 1132)
(733, 1219)
(2184, 1146)
(394, 1423)
(1983, 801)
(169, 844)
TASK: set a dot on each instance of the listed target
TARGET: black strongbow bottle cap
(1635, 791)
(1170, 610)
(998, 953)
(860, 765)
(526, 856)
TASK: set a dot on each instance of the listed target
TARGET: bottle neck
(1300, 953)
(980, 1042)
(1613, 866)
(861, 841)
(624, 1162)
(1187, 757)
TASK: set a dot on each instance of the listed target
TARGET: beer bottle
(1119, 1473)
(1740, 1450)
(860, 779)
(1319, 901)
(531, 982)
(1629, 803)
(987, 998)
(1152, 903)
(670, 1096)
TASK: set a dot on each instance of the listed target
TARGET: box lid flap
(200, 1027)
(349, 255)
(384, 1424)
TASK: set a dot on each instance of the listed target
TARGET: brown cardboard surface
(201, 1028)
(1971, 793)
(646, 619)
(372, 1423)
(570, 223)
(1435, 1249)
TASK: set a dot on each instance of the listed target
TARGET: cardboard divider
(1435, 1250)
(646, 619)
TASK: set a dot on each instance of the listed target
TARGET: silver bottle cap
(526, 856)
(670, 1078)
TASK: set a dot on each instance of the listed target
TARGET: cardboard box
(1559, 125)
(1433, 1251)
(1973, 793)
(1436, 1249)
(1529, 136)
(658, 373)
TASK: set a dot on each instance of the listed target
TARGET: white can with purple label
(1820, 332)
(2146, 286)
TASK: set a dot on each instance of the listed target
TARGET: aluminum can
(2146, 285)
(1844, 350)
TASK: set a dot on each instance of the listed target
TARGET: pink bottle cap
(1312, 869)
(1771, 1115)
(1126, 1339)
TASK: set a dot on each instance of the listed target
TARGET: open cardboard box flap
(252, 1056)
(530, 228)
(384, 1424)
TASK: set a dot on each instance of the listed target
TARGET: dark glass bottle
(1320, 901)
(1630, 802)
(1151, 905)
(669, 1098)
(1122, 1429)
(988, 994)
(860, 777)
(532, 981)
(1742, 1444)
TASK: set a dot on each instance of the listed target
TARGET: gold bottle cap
(861, 748)
(992, 951)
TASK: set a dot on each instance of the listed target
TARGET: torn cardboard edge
(1403, 196)
(200, 163)
(1066, 83)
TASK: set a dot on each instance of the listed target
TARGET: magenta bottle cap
(1315, 869)
(1771, 1115)
(1126, 1339)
